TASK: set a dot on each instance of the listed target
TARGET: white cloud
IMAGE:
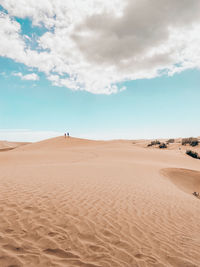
(94, 44)
(27, 77)
(11, 44)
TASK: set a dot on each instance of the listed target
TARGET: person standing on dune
(65, 135)
(68, 134)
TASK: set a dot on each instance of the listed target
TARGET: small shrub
(170, 141)
(190, 141)
(192, 154)
(194, 142)
(163, 145)
(154, 143)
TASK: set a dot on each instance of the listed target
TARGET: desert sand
(73, 202)
(6, 145)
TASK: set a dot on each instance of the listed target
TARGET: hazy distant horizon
(35, 136)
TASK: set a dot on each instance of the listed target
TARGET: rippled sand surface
(73, 202)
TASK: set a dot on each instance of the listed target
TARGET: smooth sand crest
(73, 202)
(6, 145)
(184, 179)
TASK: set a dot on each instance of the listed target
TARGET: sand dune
(176, 146)
(60, 143)
(73, 202)
(186, 180)
(5, 145)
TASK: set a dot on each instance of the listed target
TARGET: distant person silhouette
(65, 135)
(68, 134)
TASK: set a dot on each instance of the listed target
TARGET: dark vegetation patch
(190, 141)
(192, 154)
(163, 145)
(154, 143)
(157, 143)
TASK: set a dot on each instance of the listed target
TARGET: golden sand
(73, 202)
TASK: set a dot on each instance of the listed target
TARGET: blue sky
(38, 101)
(159, 107)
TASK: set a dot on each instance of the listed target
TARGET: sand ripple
(111, 210)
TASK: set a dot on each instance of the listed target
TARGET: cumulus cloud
(95, 45)
(11, 44)
(27, 77)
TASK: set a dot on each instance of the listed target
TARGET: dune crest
(60, 143)
(185, 179)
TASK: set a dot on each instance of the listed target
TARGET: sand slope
(6, 145)
(87, 203)
(184, 179)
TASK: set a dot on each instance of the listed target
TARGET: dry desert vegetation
(74, 202)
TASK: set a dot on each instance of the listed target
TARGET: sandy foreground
(73, 202)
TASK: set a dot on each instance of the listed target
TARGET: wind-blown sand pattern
(73, 202)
